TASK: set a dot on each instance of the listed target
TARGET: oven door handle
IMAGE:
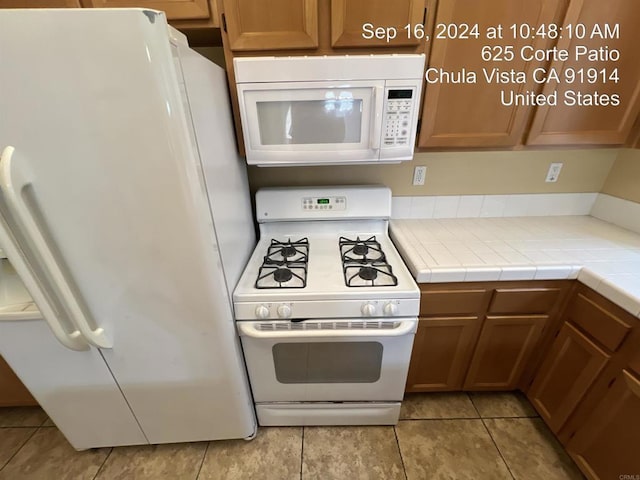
(404, 327)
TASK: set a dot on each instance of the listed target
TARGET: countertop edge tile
(591, 236)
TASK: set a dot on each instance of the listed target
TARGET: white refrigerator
(125, 211)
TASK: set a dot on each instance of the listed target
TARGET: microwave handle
(378, 103)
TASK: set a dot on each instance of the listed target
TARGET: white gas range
(326, 308)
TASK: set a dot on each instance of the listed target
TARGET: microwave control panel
(398, 112)
(324, 203)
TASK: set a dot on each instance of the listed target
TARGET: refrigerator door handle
(63, 329)
(14, 188)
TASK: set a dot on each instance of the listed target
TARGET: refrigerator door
(117, 185)
(74, 388)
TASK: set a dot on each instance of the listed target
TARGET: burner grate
(284, 265)
(281, 253)
(364, 264)
(362, 251)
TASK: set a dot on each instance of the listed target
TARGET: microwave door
(311, 122)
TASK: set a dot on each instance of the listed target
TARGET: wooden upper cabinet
(349, 16)
(174, 9)
(606, 445)
(40, 4)
(271, 24)
(471, 114)
(580, 120)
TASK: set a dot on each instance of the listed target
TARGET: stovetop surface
(326, 275)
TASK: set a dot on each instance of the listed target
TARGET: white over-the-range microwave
(326, 110)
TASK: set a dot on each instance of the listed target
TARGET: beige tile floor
(440, 436)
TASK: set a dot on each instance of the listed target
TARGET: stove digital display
(323, 201)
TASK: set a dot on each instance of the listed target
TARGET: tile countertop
(599, 254)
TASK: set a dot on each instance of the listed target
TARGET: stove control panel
(324, 203)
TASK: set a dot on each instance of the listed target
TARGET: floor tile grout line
(20, 448)
(470, 397)
(404, 468)
(103, 463)
(204, 457)
(498, 449)
(302, 452)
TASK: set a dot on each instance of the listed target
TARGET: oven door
(311, 122)
(328, 360)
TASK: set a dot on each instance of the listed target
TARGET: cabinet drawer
(453, 302)
(524, 300)
(607, 328)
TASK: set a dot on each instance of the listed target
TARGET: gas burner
(293, 275)
(375, 274)
(368, 273)
(282, 253)
(361, 251)
(282, 275)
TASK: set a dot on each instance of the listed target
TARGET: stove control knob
(368, 309)
(390, 309)
(284, 311)
(262, 312)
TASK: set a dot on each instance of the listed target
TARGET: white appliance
(326, 309)
(126, 213)
(329, 110)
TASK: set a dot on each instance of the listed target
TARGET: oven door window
(328, 362)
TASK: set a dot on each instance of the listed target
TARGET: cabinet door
(572, 365)
(349, 16)
(588, 122)
(504, 346)
(271, 24)
(471, 114)
(174, 9)
(441, 352)
(40, 4)
(12, 392)
(607, 444)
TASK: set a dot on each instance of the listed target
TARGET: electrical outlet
(553, 173)
(419, 174)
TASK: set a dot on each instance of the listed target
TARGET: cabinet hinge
(224, 23)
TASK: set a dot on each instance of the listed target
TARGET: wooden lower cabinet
(12, 392)
(571, 367)
(441, 352)
(503, 350)
(607, 445)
